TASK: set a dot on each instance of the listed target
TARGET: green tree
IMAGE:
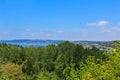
(11, 71)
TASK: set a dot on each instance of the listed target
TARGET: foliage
(66, 61)
(11, 71)
(47, 76)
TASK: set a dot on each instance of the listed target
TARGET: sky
(97, 20)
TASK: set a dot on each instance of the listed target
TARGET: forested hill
(65, 61)
(29, 42)
(95, 42)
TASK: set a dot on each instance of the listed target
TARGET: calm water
(27, 45)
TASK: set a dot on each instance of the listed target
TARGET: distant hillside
(103, 43)
(28, 42)
(31, 41)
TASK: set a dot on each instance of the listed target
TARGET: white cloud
(25, 34)
(100, 23)
(47, 34)
(115, 28)
(105, 30)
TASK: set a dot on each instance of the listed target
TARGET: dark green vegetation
(66, 61)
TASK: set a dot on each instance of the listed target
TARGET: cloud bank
(100, 23)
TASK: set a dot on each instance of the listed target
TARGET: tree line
(65, 61)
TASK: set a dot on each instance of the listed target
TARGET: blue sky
(60, 19)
